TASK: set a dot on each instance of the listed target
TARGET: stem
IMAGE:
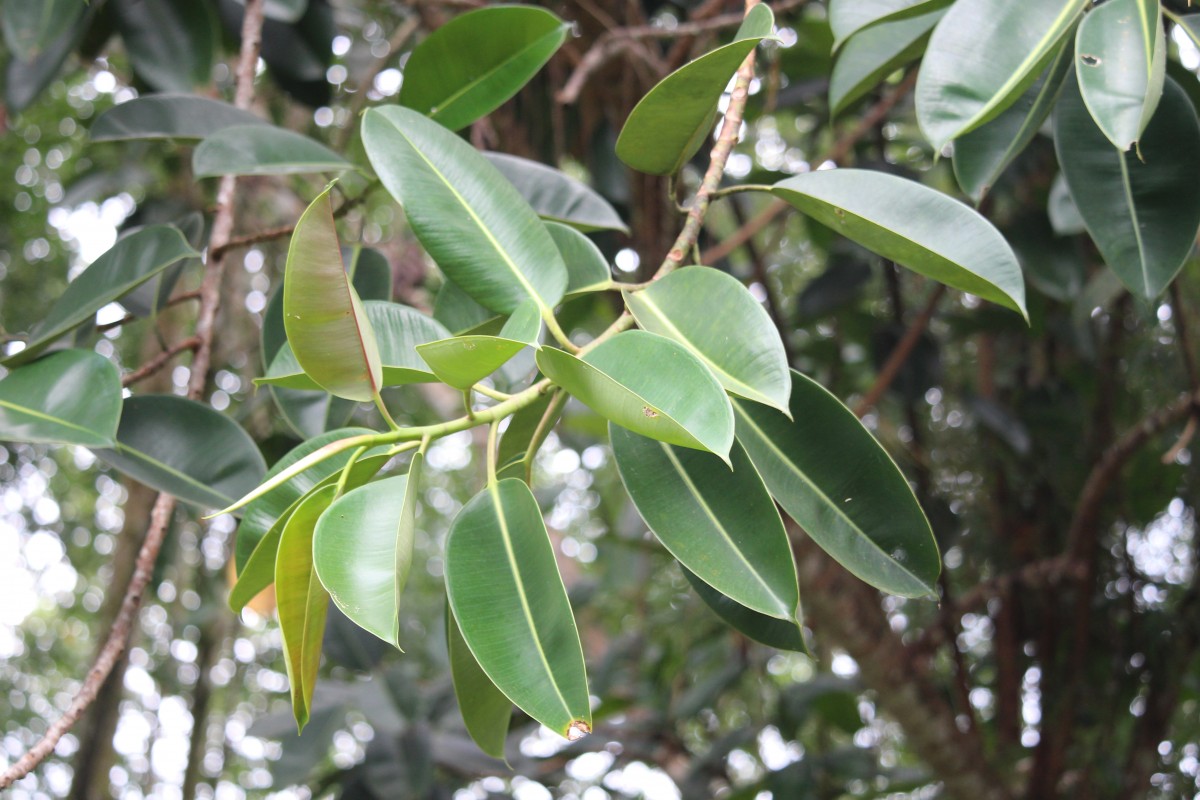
(491, 452)
(468, 403)
(558, 333)
(345, 476)
(543, 430)
(391, 423)
(488, 391)
(745, 187)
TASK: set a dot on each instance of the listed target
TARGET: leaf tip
(577, 730)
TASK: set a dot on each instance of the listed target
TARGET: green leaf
(715, 317)
(467, 68)
(259, 570)
(169, 116)
(556, 196)
(777, 633)
(170, 43)
(363, 549)
(187, 449)
(459, 313)
(587, 268)
(324, 319)
(302, 601)
(469, 219)
(982, 56)
(650, 385)
(24, 81)
(30, 28)
(1120, 62)
(463, 361)
(1143, 216)
(399, 331)
(263, 512)
(1189, 24)
(876, 52)
(913, 225)
(721, 525)
(668, 125)
(134, 259)
(485, 710)
(983, 154)
(834, 479)
(69, 397)
(847, 17)
(512, 608)
(263, 150)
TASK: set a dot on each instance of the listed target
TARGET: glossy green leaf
(302, 601)
(325, 321)
(263, 150)
(399, 332)
(650, 385)
(24, 81)
(587, 268)
(983, 154)
(1120, 62)
(668, 125)
(69, 397)
(876, 52)
(721, 525)
(170, 43)
(556, 196)
(363, 549)
(509, 600)
(847, 17)
(470, 220)
(913, 225)
(982, 56)
(259, 570)
(30, 28)
(169, 116)
(262, 513)
(134, 259)
(712, 314)
(777, 633)
(154, 295)
(840, 485)
(485, 710)
(463, 361)
(468, 67)
(459, 313)
(1143, 216)
(187, 449)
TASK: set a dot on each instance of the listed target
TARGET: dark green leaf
(456, 309)
(650, 385)
(876, 52)
(556, 196)
(715, 317)
(170, 43)
(485, 709)
(187, 449)
(913, 225)
(512, 609)
(25, 80)
(982, 56)
(363, 549)
(135, 258)
(468, 67)
(471, 220)
(69, 397)
(846, 17)
(587, 269)
(167, 116)
(833, 478)
(670, 123)
(721, 525)
(263, 150)
(1142, 215)
(777, 633)
(31, 27)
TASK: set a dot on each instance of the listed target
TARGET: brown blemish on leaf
(577, 730)
(649, 412)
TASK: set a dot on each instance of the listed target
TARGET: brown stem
(841, 148)
(902, 352)
(160, 516)
(128, 318)
(159, 361)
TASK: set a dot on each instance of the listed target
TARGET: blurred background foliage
(996, 424)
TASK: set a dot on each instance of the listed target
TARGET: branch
(128, 318)
(900, 354)
(272, 234)
(841, 148)
(159, 361)
(160, 517)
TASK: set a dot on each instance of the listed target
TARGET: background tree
(1051, 457)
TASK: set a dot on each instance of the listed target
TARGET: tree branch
(901, 353)
(160, 517)
(159, 361)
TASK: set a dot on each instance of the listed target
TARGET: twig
(841, 148)
(128, 318)
(900, 354)
(159, 361)
(160, 517)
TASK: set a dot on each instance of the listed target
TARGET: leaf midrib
(185, 478)
(56, 420)
(436, 111)
(828, 502)
(1127, 195)
(695, 492)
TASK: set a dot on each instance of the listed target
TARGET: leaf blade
(263, 150)
(68, 397)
